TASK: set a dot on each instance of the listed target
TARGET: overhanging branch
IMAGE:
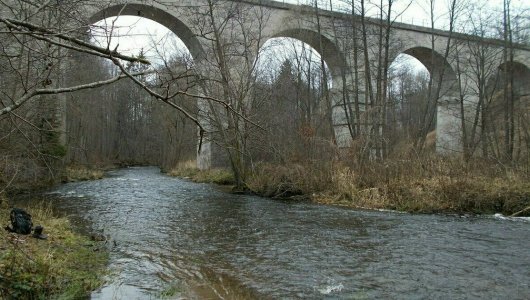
(27, 96)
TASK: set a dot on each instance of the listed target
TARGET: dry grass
(417, 184)
(435, 184)
(65, 266)
(427, 184)
(81, 173)
(346, 189)
(189, 170)
(284, 181)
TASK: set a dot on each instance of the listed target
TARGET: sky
(133, 34)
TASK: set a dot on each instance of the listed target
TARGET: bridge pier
(345, 115)
(204, 155)
(210, 152)
(448, 126)
(448, 122)
(210, 155)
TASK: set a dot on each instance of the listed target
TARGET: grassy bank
(431, 184)
(65, 266)
(475, 194)
(190, 171)
(82, 173)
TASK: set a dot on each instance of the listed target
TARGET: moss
(65, 266)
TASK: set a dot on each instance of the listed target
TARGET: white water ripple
(331, 289)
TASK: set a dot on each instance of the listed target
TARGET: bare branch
(26, 97)
(34, 30)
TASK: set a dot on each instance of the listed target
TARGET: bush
(53, 145)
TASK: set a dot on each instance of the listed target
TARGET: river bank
(66, 265)
(427, 185)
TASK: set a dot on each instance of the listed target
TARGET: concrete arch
(331, 54)
(439, 68)
(178, 26)
(160, 16)
(521, 77)
(518, 68)
(336, 62)
(446, 89)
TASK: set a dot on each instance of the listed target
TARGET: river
(165, 232)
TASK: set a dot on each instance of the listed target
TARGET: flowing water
(165, 232)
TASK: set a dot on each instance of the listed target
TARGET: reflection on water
(170, 232)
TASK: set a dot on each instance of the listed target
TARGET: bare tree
(234, 34)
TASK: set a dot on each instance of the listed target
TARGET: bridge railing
(339, 8)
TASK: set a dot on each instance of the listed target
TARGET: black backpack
(20, 221)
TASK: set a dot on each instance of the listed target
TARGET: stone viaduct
(299, 22)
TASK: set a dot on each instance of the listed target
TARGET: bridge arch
(445, 93)
(159, 15)
(335, 62)
(520, 73)
(440, 70)
(178, 25)
(328, 50)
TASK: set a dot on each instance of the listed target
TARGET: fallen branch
(521, 212)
